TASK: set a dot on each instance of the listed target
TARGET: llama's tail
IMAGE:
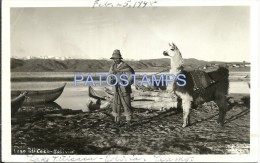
(224, 71)
(224, 79)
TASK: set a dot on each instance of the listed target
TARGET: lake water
(75, 97)
(71, 74)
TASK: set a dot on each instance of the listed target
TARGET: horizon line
(126, 59)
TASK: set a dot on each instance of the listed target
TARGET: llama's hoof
(184, 125)
(220, 122)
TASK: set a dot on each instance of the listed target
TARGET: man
(122, 94)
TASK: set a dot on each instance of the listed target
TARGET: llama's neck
(175, 71)
(176, 62)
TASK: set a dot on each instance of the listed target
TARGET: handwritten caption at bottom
(110, 158)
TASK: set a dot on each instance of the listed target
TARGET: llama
(193, 93)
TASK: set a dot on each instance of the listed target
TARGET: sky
(205, 33)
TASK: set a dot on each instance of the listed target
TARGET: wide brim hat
(116, 54)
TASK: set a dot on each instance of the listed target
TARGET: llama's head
(176, 58)
(173, 50)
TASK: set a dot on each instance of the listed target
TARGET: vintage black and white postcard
(130, 81)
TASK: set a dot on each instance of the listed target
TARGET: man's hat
(116, 54)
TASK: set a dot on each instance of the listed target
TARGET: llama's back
(221, 85)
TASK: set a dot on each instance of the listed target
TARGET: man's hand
(112, 80)
(114, 72)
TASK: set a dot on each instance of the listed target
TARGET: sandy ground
(52, 130)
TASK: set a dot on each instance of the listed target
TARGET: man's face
(117, 61)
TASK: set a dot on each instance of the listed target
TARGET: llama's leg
(186, 101)
(222, 105)
(186, 105)
(179, 105)
(221, 117)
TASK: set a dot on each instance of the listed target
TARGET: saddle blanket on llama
(201, 79)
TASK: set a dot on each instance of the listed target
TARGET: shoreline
(95, 78)
(50, 79)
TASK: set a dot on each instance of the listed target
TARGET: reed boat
(17, 102)
(40, 96)
(140, 99)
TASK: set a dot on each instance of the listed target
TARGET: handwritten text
(126, 4)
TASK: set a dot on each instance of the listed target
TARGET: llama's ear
(175, 47)
(170, 45)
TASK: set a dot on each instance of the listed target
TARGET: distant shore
(103, 65)
(55, 76)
